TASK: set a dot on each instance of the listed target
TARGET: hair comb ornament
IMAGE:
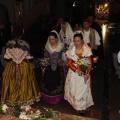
(78, 32)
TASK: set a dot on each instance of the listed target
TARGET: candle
(95, 59)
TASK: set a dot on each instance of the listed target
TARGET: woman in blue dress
(52, 83)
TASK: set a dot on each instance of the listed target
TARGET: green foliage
(15, 110)
(1, 111)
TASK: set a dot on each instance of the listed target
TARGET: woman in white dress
(77, 86)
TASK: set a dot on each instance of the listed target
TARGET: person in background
(66, 36)
(16, 33)
(97, 27)
(91, 36)
(18, 81)
(52, 81)
(119, 64)
(57, 26)
(77, 27)
(115, 46)
(118, 57)
(77, 85)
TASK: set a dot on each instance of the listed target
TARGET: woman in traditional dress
(52, 84)
(77, 86)
(18, 82)
(66, 36)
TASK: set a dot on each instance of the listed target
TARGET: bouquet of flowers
(44, 62)
(83, 63)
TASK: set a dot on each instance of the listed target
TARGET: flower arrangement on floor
(83, 62)
(27, 113)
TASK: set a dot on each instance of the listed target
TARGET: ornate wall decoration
(102, 10)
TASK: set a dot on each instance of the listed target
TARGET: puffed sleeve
(90, 67)
(70, 64)
(88, 53)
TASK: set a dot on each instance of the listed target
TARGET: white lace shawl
(59, 47)
(69, 33)
(17, 55)
(71, 52)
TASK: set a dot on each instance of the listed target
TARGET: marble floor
(105, 85)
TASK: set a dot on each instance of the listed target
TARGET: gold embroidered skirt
(19, 84)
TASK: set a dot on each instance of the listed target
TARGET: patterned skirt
(52, 85)
(19, 83)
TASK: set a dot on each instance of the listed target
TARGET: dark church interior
(34, 19)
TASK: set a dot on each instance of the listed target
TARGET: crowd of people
(64, 76)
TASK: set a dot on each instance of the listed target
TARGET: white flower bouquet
(83, 64)
(44, 62)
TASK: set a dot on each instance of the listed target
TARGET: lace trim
(29, 102)
(17, 55)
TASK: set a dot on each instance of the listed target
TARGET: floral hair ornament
(78, 32)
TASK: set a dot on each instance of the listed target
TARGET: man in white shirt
(91, 36)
